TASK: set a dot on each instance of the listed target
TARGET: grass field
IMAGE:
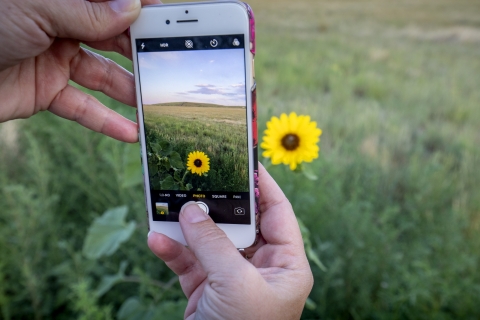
(219, 132)
(203, 114)
(394, 215)
(394, 87)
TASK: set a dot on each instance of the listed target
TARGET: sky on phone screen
(200, 76)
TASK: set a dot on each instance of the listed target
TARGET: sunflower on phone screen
(198, 162)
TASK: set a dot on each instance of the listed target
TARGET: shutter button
(203, 206)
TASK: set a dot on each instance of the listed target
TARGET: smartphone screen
(194, 103)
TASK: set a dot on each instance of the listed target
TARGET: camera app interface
(195, 114)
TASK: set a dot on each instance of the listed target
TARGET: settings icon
(189, 44)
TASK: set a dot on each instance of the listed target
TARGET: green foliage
(86, 305)
(108, 281)
(132, 174)
(133, 309)
(60, 258)
(311, 254)
(107, 233)
(166, 168)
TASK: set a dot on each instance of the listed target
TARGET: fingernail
(150, 233)
(124, 5)
(192, 212)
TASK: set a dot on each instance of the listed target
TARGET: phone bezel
(214, 18)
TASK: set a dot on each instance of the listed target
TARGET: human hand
(40, 52)
(219, 283)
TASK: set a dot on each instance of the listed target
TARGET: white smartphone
(195, 85)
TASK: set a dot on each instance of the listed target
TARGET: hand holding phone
(39, 61)
(193, 65)
(219, 283)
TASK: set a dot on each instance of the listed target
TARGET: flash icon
(142, 46)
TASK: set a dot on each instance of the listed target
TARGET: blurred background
(394, 216)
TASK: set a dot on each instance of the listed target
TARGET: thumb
(207, 241)
(88, 20)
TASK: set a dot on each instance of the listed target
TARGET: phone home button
(203, 206)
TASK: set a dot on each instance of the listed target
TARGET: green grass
(218, 132)
(394, 215)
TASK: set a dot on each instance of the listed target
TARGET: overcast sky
(201, 76)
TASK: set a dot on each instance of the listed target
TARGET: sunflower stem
(183, 178)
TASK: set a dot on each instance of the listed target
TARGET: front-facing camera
(167, 22)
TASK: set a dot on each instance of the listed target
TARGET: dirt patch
(378, 54)
(369, 146)
(456, 33)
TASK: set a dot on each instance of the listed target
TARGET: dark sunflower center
(197, 163)
(290, 141)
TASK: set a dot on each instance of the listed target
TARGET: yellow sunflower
(198, 162)
(291, 140)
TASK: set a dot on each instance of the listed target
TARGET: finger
(208, 242)
(278, 223)
(86, 20)
(179, 259)
(72, 104)
(119, 44)
(95, 72)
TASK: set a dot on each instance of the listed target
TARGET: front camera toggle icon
(239, 211)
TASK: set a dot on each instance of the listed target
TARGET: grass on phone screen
(219, 132)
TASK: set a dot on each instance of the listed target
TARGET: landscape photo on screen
(194, 106)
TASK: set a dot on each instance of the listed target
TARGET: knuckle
(81, 109)
(105, 78)
(188, 269)
(102, 79)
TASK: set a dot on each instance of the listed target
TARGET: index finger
(278, 224)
